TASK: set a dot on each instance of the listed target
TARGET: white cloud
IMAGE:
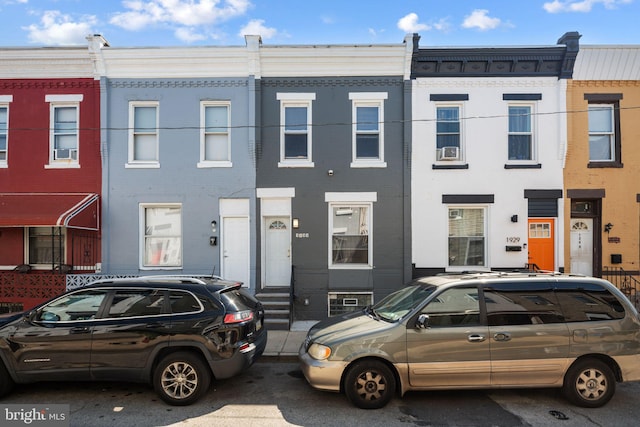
(584, 6)
(188, 13)
(481, 20)
(257, 27)
(188, 35)
(59, 29)
(410, 24)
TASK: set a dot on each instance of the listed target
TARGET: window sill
(523, 166)
(364, 164)
(3, 165)
(62, 166)
(350, 267)
(142, 165)
(207, 165)
(596, 165)
(450, 166)
(296, 164)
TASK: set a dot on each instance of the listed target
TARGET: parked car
(177, 333)
(476, 331)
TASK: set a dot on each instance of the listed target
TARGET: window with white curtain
(161, 227)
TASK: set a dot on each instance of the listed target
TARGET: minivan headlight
(319, 351)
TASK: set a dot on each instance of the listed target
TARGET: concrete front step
(276, 310)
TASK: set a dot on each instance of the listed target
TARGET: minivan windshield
(397, 304)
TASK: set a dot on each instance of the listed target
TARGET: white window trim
(288, 99)
(141, 164)
(360, 198)
(534, 133)
(487, 262)
(142, 220)
(5, 100)
(462, 155)
(56, 101)
(612, 135)
(372, 99)
(203, 133)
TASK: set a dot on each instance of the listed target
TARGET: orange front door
(541, 243)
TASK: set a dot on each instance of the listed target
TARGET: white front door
(235, 249)
(277, 252)
(582, 246)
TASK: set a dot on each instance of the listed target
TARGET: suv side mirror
(423, 321)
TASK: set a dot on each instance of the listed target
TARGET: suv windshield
(396, 305)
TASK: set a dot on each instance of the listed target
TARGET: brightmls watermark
(34, 415)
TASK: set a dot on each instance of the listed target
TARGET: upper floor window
(448, 133)
(64, 130)
(368, 129)
(161, 235)
(604, 130)
(143, 135)
(4, 134)
(295, 129)
(520, 132)
(215, 146)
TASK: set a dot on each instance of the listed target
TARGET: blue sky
(126, 23)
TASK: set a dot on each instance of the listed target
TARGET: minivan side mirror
(423, 322)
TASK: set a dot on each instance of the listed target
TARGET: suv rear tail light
(238, 317)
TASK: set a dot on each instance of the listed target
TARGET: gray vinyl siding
(178, 179)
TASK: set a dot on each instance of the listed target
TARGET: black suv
(174, 332)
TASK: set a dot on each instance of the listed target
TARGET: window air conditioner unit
(65, 154)
(448, 153)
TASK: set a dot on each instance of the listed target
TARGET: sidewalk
(285, 344)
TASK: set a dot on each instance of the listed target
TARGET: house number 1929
(513, 240)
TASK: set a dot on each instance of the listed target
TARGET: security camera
(330, 172)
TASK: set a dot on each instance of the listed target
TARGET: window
(522, 304)
(4, 133)
(467, 237)
(143, 135)
(540, 230)
(448, 133)
(295, 129)
(81, 305)
(162, 237)
(350, 229)
(136, 303)
(64, 130)
(46, 245)
(347, 302)
(183, 302)
(588, 302)
(368, 129)
(454, 307)
(520, 133)
(215, 148)
(601, 133)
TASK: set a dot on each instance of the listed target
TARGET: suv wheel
(369, 384)
(589, 383)
(181, 378)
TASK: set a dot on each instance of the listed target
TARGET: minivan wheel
(369, 384)
(181, 378)
(589, 383)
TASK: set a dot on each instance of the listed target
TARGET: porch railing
(623, 280)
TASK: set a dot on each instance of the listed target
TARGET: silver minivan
(480, 331)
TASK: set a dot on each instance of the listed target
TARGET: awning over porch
(71, 210)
